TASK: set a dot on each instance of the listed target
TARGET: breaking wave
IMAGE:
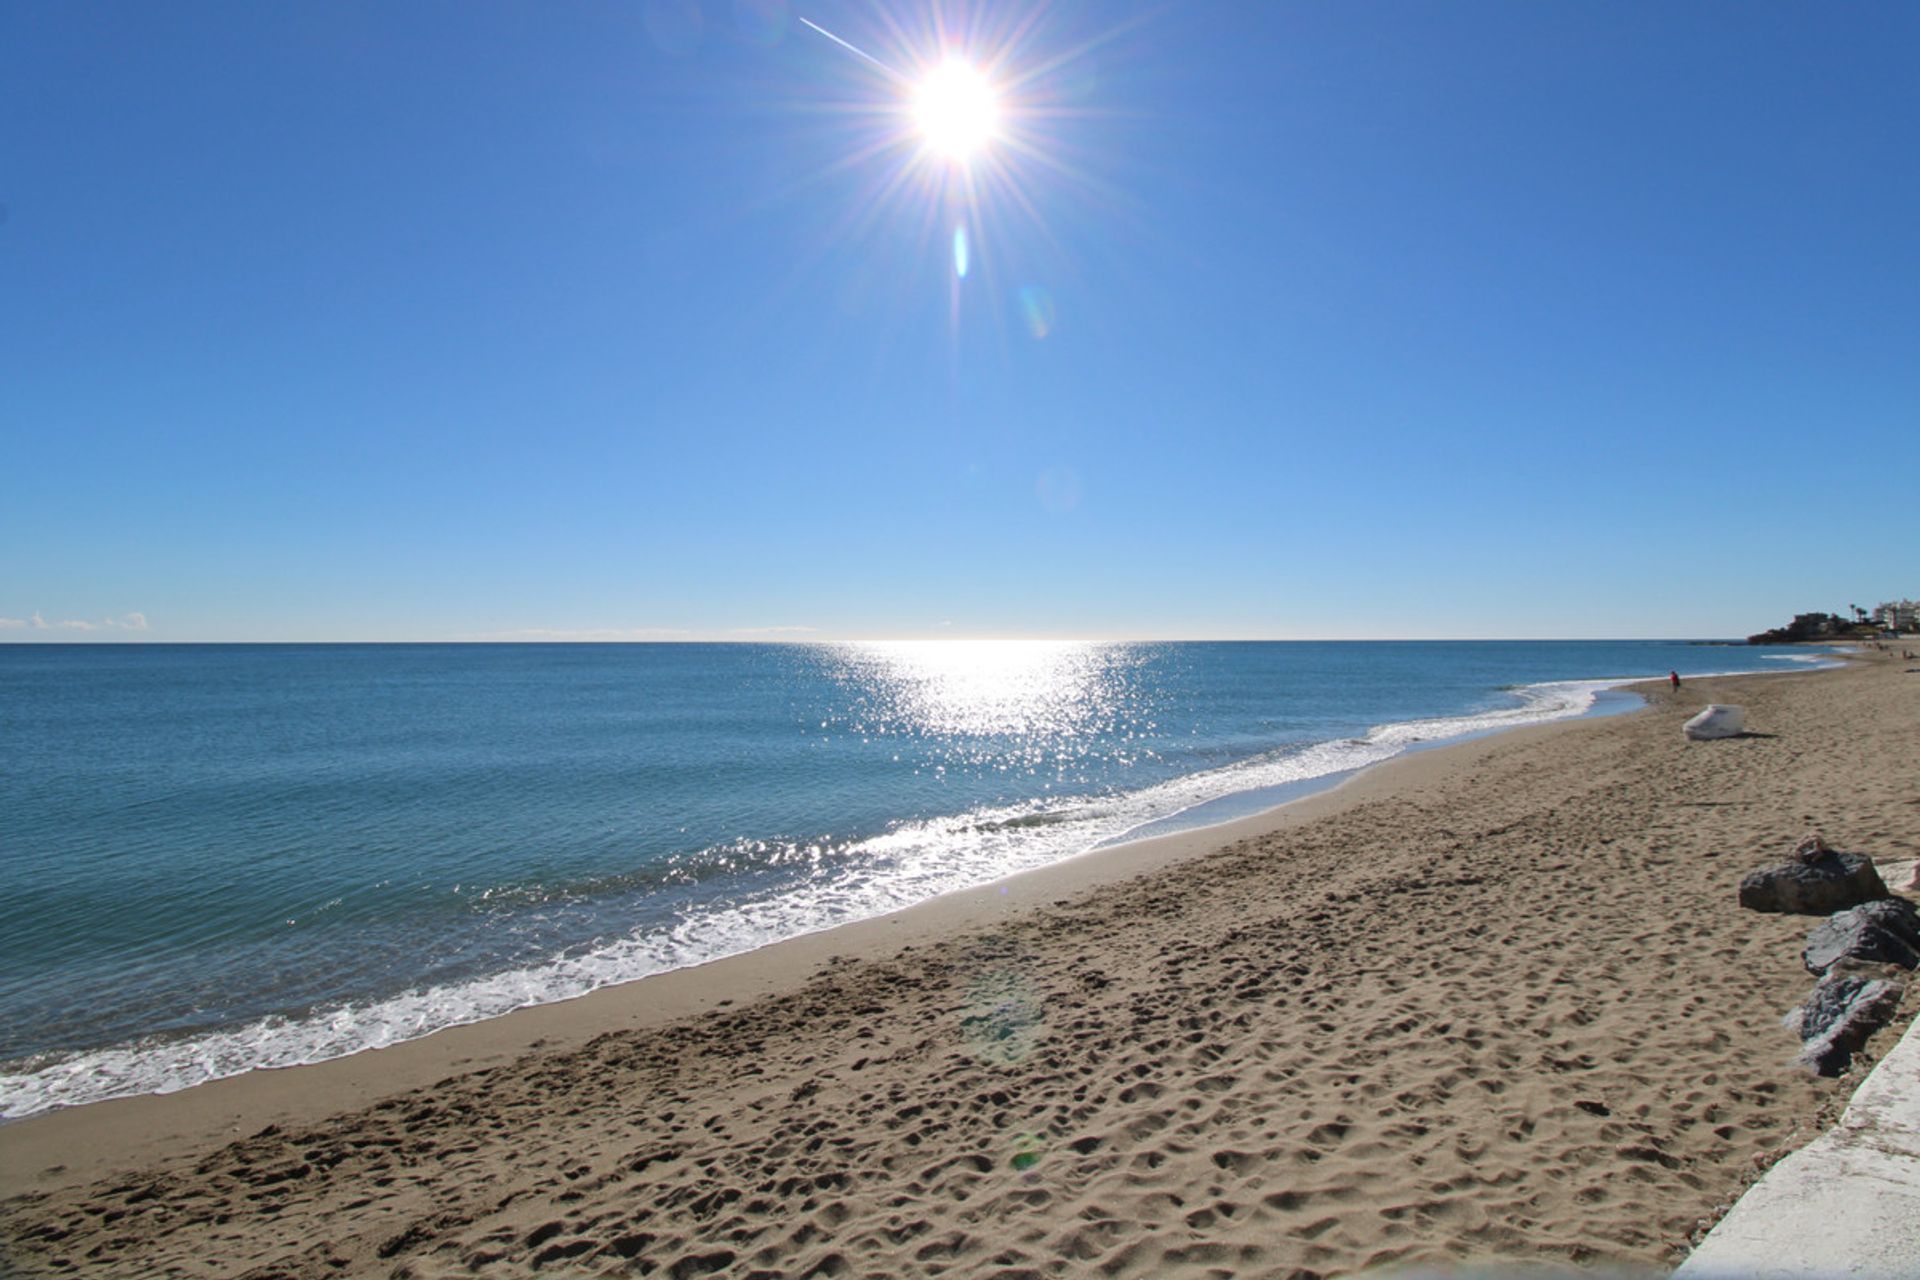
(837, 883)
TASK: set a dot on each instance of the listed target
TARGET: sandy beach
(1494, 1001)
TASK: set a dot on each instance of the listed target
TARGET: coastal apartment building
(1898, 615)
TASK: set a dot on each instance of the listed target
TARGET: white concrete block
(1846, 1204)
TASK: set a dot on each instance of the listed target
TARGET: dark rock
(1837, 1018)
(1882, 932)
(1829, 882)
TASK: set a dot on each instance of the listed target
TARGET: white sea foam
(911, 863)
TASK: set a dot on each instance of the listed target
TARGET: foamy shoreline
(1187, 803)
(1190, 803)
(1182, 840)
(1548, 783)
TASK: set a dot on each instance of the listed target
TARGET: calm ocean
(223, 857)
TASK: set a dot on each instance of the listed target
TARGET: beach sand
(1489, 1002)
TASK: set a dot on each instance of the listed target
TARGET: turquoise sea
(223, 857)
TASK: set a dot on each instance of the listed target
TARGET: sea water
(224, 857)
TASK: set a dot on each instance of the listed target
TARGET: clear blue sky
(464, 320)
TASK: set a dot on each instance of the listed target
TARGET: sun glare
(957, 110)
(963, 118)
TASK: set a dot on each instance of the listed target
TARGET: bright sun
(957, 110)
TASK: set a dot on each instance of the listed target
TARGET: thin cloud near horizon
(130, 621)
(618, 634)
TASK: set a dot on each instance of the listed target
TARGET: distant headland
(1889, 618)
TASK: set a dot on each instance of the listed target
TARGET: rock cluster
(1866, 930)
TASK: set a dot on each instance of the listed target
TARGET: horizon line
(924, 639)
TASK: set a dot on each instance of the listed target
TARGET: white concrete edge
(1846, 1204)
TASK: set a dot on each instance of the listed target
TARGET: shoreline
(700, 988)
(55, 1153)
(226, 1108)
(190, 1056)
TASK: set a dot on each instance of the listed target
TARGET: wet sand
(1489, 1002)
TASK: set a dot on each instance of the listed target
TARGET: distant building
(1898, 615)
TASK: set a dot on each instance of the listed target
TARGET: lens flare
(1036, 305)
(1027, 1150)
(960, 252)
